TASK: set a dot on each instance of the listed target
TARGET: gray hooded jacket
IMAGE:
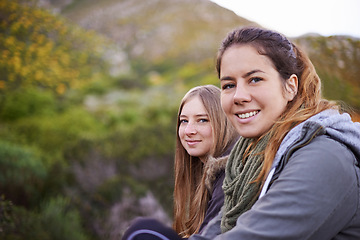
(312, 190)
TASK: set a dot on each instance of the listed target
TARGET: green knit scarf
(240, 190)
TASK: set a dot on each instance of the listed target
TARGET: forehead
(244, 57)
(193, 106)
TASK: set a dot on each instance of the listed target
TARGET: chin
(249, 135)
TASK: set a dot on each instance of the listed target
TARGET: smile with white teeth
(247, 115)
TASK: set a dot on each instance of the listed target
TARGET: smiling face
(195, 131)
(252, 96)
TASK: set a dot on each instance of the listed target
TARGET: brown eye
(255, 79)
(228, 86)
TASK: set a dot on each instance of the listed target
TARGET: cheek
(226, 105)
(205, 131)
(225, 102)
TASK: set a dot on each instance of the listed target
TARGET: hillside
(158, 29)
(337, 60)
(186, 31)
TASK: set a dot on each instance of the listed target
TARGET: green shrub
(110, 191)
(54, 221)
(60, 221)
(27, 102)
(55, 135)
(23, 173)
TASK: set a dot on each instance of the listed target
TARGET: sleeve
(216, 201)
(315, 196)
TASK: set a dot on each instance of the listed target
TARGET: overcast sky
(294, 18)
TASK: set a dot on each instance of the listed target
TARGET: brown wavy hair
(287, 59)
(190, 193)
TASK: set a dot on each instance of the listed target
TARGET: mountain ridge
(186, 31)
(172, 29)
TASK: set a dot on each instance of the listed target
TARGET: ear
(291, 87)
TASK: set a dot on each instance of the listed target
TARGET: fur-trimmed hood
(212, 168)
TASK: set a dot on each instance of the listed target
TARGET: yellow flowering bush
(39, 49)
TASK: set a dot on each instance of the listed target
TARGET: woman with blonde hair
(204, 138)
(199, 172)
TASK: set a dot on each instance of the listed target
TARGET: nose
(190, 129)
(241, 95)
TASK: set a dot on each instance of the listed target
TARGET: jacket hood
(338, 126)
(213, 167)
(342, 129)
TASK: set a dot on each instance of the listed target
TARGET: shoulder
(320, 183)
(320, 161)
(325, 152)
(323, 163)
(218, 182)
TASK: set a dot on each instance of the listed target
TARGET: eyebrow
(197, 115)
(243, 76)
(252, 72)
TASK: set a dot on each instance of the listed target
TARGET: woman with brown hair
(294, 173)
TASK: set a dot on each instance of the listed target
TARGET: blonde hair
(288, 59)
(190, 193)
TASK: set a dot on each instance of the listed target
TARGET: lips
(192, 142)
(248, 114)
